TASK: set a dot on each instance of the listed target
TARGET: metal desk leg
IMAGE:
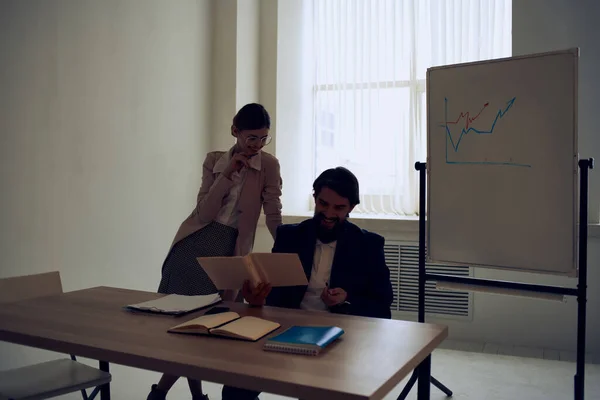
(424, 387)
(105, 389)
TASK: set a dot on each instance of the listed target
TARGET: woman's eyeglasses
(254, 141)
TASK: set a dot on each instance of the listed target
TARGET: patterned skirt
(181, 272)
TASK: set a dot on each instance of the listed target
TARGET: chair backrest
(25, 287)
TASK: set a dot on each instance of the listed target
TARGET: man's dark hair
(252, 116)
(341, 181)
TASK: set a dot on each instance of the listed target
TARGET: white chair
(52, 378)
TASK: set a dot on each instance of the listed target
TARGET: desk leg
(424, 386)
(105, 389)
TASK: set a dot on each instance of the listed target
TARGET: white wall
(538, 25)
(104, 123)
(294, 103)
(236, 64)
(248, 52)
(268, 42)
(224, 75)
(546, 25)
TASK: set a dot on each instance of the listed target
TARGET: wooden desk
(372, 357)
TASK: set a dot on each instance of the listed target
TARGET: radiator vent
(403, 262)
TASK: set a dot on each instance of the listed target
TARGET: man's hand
(256, 296)
(332, 297)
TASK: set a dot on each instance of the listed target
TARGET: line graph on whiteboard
(468, 126)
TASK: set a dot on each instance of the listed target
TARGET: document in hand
(278, 269)
(227, 324)
(176, 304)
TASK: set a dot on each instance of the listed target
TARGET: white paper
(177, 303)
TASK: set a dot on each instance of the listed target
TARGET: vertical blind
(370, 58)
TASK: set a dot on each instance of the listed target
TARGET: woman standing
(236, 184)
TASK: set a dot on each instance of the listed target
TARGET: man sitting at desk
(345, 265)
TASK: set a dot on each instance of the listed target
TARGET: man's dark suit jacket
(358, 267)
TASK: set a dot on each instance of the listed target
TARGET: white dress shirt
(229, 212)
(319, 277)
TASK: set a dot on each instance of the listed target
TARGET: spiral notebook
(308, 340)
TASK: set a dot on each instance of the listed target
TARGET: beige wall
(236, 64)
(224, 67)
(104, 122)
(539, 26)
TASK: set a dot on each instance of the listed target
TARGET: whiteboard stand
(580, 292)
(419, 373)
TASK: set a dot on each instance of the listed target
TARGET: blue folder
(309, 340)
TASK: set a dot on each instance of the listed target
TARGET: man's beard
(324, 234)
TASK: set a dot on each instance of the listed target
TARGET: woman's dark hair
(341, 181)
(252, 116)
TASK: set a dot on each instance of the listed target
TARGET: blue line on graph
(464, 131)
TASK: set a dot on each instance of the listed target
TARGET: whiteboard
(502, 163)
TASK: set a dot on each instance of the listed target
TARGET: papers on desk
(176, 304)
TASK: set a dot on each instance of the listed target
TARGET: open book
(278, 269)
(227, 324)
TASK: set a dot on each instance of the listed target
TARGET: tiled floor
(518, 351)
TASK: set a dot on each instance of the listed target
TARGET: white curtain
(369, 60)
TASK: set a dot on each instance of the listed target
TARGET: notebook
(176, 304)
(227, 324)
(278, 269)
(308, 340)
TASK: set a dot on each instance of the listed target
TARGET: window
(364, 90)
(325, 126)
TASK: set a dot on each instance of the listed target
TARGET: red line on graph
(468, 117)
